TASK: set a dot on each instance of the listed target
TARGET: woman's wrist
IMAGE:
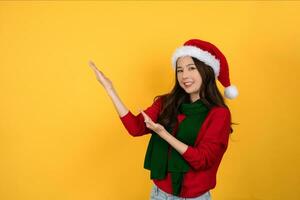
(173, 141)
(110, 91)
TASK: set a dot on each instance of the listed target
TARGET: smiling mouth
(188, 84)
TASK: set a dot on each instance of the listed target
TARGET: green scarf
(156, 158)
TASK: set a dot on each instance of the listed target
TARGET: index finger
(145, 116)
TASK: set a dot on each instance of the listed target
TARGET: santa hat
(213, 57)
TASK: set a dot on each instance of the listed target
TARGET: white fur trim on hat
(231, 92)
(198, 53)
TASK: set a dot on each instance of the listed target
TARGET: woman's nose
(185, 73)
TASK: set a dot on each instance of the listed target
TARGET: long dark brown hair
(209, 95)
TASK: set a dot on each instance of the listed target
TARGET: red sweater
(204, 157)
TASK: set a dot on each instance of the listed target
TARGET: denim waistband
(158, 192)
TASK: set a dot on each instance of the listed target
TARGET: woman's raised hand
(105, 82)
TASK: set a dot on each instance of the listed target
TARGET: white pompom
(231, 92)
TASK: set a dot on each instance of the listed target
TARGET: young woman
(189, 126)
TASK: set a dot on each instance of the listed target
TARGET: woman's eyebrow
(186, 65)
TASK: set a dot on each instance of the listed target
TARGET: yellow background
(60, 136)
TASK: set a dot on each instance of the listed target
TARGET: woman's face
(189, 77)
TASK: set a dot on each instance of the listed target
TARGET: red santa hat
(213, 57)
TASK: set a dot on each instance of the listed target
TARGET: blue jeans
(158, 194)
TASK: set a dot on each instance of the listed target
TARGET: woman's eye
(191, 68)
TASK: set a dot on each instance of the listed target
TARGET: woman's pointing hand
(156, 127)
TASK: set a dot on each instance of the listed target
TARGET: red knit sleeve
(214, 142)
(135, 124)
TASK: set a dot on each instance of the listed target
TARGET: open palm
(105, 82)
(156, 127)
